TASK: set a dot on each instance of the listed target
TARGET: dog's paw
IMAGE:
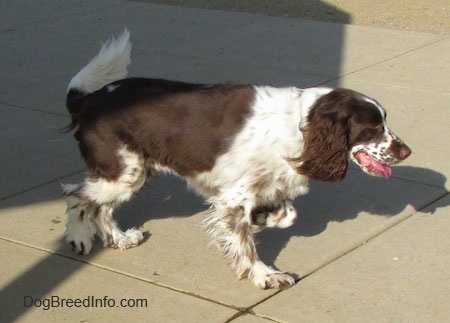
(284, 217)
(80, 236)
(279, 216)
(276, 280)
(128, 239)
(266, 277)
(81, 245)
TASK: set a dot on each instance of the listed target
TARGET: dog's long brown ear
(326, 138)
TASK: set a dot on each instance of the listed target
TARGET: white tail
(109, 65)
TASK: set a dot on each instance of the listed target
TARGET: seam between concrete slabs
(374, 236)
(157, 284)
(384, 60)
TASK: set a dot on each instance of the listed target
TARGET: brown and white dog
(250, 150)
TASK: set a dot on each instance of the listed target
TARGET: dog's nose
(405, 151)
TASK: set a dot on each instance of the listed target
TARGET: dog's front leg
(280, 215)
(232, 231)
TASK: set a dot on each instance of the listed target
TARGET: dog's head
(345, 124)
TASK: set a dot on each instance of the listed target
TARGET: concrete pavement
(431, 16)
(366, 249)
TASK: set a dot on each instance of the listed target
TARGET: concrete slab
(426, 68)
(34, 152)
(176, 252)
(365, 46)
(42, 54)
(36, 277)
(400, 276)
(333, 220)
(421, 118)
(26, 13)
(46, 46)
(336, 218)
(204, 70)
(421, 15)
(249, 318)
(40, 57)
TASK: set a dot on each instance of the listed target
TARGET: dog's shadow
(345, 200)
(169, 197)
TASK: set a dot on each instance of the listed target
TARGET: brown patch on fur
(82, 248)
(178, 125)
(232, 217)
(245, 233)
(81, 216)
(97, 211)
(276, 212)
(75, 193)
(265, 209)
(244, 274)
(280, 216)
(110, 240)
(75, 206)
(260, 184)
(260, 214)
(399, 150)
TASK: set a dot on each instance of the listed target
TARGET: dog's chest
(280, 184)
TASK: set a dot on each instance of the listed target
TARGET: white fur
(110, 233)
(264, 276)
(255, 172)
(103, 191)
(283, 218)
(91, 204)
(80, 228)
(258, 154)
(109, 65)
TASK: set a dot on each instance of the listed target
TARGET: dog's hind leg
(129, 182)
(80, 226)
(92, 202)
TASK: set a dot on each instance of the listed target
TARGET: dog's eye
(376, 126)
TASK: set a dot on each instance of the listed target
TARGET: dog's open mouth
(371, 165)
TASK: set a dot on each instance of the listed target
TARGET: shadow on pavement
(343, 201)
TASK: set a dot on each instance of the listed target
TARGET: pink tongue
(386, 170)
(368, 161)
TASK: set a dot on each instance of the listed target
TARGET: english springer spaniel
(249, 150)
